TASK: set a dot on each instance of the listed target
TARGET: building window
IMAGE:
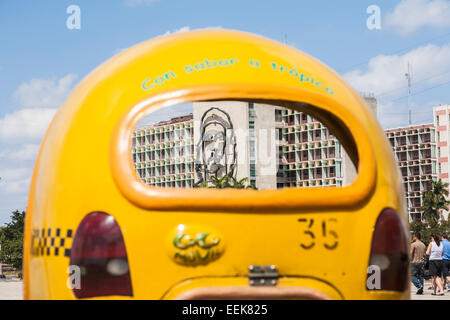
(251, 110)
(252, 170)
(318, 173)
(318, 154)
(317, 134)
(278, 115)
(332, 172)
(252, 149)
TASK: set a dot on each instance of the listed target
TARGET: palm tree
(434, 201)
(227, 181)
(240, 184)
(220, 183)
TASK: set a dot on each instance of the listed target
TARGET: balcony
(286, 179)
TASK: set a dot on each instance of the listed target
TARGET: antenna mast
(408, 77)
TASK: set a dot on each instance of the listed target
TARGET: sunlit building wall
(441, 116)
(163, 153)
(310, 155)
(415, 151)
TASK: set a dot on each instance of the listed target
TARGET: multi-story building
(415, 151)
(163, 153)
(441, 116)
(309, 155)
(297, 150)
(177, 153)
(274, 147)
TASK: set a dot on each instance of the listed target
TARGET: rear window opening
(251, 144)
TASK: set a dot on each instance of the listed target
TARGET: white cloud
(24, 152)
(44, 93)
(134, 3)
(385, 77)
(16, 186)
(15, 173)
(25, 125)
(180, 30)
(387, 72)
(411, 15)
(21, 133)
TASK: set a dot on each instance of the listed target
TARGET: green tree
(434, 201)
(11, 240)
(241, 184)
(225, 182)
(426, 229)
(220, 183)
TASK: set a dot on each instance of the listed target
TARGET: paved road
(11, 290)
(427, 293)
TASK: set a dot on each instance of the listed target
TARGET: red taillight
(99, 250)
(389, 251)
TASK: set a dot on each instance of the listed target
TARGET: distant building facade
(163, 153)
(309, 155)
(415, 151)
(441, 116)
(273, 147)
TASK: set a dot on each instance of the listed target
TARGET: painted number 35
(326, 236)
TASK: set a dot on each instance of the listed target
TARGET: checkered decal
(48, 242)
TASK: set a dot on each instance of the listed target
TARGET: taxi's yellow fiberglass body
(89, 216)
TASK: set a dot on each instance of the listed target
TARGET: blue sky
(41, 60)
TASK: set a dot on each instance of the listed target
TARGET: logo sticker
(194, 245)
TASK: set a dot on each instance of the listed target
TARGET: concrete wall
(372, 103)
(441, 122)
(349, 170)
(266, 147)
(265, 154)
(238, 112)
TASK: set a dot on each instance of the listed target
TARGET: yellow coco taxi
(90, 216)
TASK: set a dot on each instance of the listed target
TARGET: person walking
(435, 252)
(417, 253)
(446, 260)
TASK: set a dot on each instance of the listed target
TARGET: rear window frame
(205, 199)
